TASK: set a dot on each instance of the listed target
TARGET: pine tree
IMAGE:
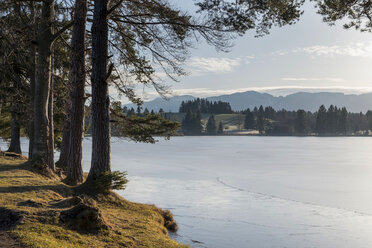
(197, 123)
(131, 112)
(211, 126)
(192, 123)
(255, 112)
(321, 121)
(269, 112)
(220, 128)
(125, 110)
(300, 122)
(206, 106)
(342, 124)
(249, 122)
(357, 13)
(187, 121)
(146, 111)
(78, 75)
(331, 119)
(138, 112)
(260, 120)
(369, 118)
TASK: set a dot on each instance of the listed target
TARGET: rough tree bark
(50, 122)
(40, 153)
(63, 155)
(15, 140)
(100, 98)
(75, 169)
(32, 76)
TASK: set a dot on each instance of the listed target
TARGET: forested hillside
(250, 99)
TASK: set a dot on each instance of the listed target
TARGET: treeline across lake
(202, 120)
(325, 121)
(268, 121)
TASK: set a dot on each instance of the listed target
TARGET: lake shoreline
(32, 207)
(254, 135)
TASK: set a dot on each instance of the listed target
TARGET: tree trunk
(100, 97)
(63, 155)
(40, 153)
(75, 169)
(32, 76)
(50, 122)
(15, 140)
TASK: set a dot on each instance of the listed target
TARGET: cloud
(359, 49)
(203, 65)
(275, 90)
(326, 79)
(281, 52)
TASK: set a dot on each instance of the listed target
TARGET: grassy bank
(38, 201)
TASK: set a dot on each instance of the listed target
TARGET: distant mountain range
(250, 99)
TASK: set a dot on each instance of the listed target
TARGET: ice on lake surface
(255, 191)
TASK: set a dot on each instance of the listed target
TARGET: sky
(308, 56)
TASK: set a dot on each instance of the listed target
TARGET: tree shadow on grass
(60, 189)
(7, 167)
(21, 177)
(9, 218)
(23, 187)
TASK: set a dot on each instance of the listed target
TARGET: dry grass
(41, 200)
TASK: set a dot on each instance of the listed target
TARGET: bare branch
(62, 30)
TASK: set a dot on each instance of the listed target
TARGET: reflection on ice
(258, 192)
(221, 216)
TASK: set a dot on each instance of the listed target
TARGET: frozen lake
(255, 191)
